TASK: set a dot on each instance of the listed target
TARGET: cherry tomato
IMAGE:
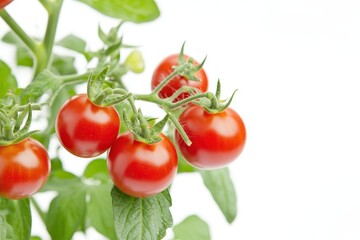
(85, 129)
(165, 68)
(217, 139)
(24, 169)
(3, 3)
(140, 169)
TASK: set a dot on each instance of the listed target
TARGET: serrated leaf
(8, 81)
(134, 11)
(223, 191)
(17, 216)
(141, 218)
(192, 227)
(100, 210)
(43, 82)
(74, 43)
(67, 213)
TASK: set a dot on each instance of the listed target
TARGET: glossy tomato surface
(165, 68)
(24, 169)
(217, 139)
(85, 129)
(3, 3)
(140, 169)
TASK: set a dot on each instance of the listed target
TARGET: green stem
(181, 130)
(25, 38)
(38, 209)
(75, 79)
(170, 77)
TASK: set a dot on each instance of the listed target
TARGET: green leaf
(223, 191)
(44, 82)
(35, 238)
(67, 213)
(99, 210)
(192, 227)
(3, 229)
(63, 65)
(97, 170)
(17, 216)
(8, 81)
(141, 218)
(183, 166)
(128, 10)
(23, 55)
(74, 43)
(60, 180)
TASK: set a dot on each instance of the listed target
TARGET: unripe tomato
(24, 169)
(140, 169)
(217, 139)
(85, 129)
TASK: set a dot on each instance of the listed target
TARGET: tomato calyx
(212, 102)
(13, 126)
(104, 96)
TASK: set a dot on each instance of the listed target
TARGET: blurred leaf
(67, 212)
(74, 43)
(192, 227)
(60, 180)
(128, 10)
(97, 170)
(44, 82)
(141, 218)
(3, 229)
(183, 166)
(223, 191)
(17, 216)
(35, 238)
(23, 55)
(8, 81)
(100, 210)
(63, 65)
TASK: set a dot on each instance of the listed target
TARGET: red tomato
(3, 3)
(165, 68)
(140, 169)
(217, 139)
(24, 169)
(85, 129)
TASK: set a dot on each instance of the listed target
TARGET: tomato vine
(134, 158)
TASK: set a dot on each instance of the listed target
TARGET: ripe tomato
(24, 169)
(165, 68)
(141, 169)
(85, 129)
(217, 139)
(3, 3)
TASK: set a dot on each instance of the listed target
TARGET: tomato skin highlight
(85, 129)
(3, 3)
(217, 139)
(140, 169)
(165, 68)
(24, 169)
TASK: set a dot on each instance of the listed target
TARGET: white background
(296, 65)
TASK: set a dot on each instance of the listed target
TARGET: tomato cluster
(144, 169)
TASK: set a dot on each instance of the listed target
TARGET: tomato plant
(217, 139)
(125, 192)
(141, 169)
(24, 169)
(165, 68)
(3, 3)
(85, 129)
